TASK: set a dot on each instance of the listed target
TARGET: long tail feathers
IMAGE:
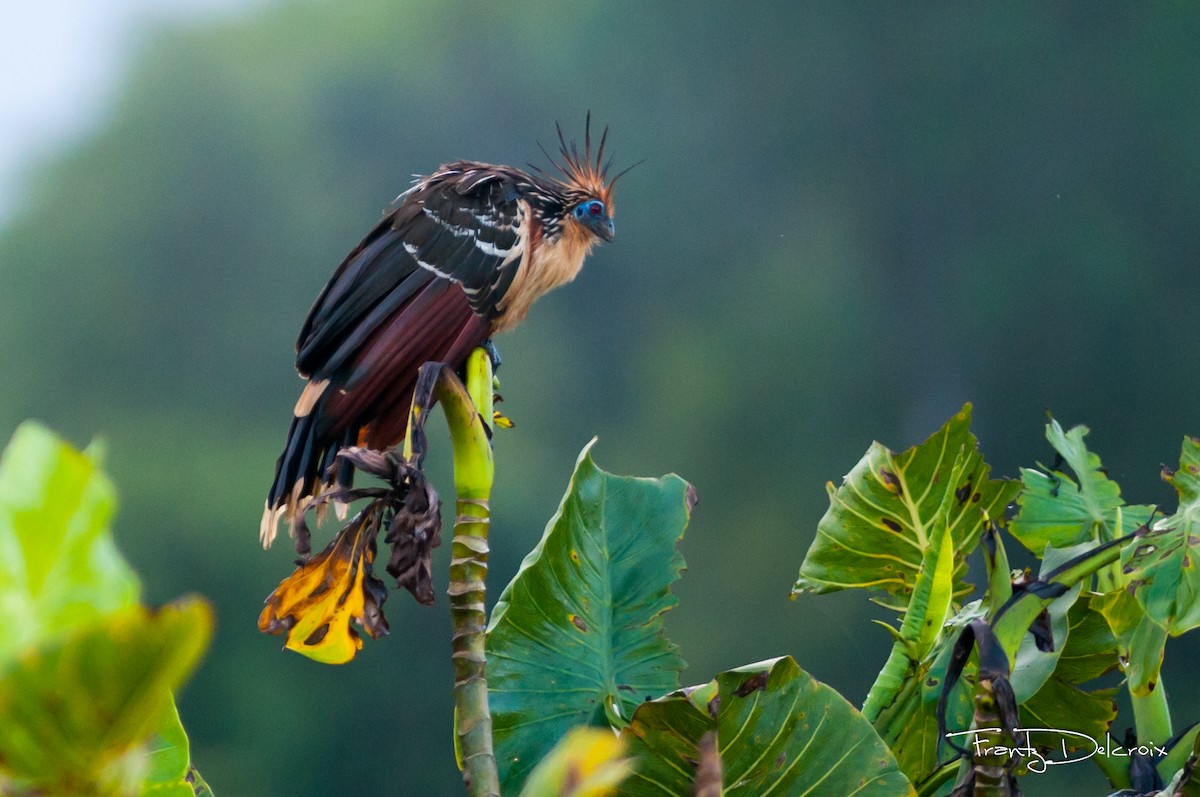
(307, 468)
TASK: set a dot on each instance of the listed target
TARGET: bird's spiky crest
(580, 173)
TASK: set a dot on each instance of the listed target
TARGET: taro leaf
(1032, 666)
(1059, 705)
(880, 522)
(588, 762)
(77, 704)
(59, 568)
(578, 632)
(1061, 511)
(1091, 647)
(1141, 640)
(779, 732)
(1090, 651)
(1160, 563)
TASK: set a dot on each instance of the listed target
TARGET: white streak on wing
(482, 178)
(395, 204)
(510, 257)
(412, 250)
(462, 232)
(493, 220)
(492, 249)
(487, 221)
(454, 228)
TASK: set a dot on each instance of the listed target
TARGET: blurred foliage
(85, 672)
(587, 762)
(852, 219)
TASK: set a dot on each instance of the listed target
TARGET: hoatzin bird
(457, 258)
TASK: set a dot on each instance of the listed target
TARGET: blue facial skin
(593, 215)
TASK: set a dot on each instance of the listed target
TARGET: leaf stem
(1152, 715)
(939, 777)
(888, 683)
(473, 474)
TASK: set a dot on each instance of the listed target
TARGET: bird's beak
(606, 229)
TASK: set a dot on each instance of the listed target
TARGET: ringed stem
(468, 411)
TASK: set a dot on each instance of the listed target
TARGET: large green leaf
(1160, 564)
(1061, 702)
(1141, 640)
(779, 732)
(59, 568)
(578, 631)
(1059, 510)
(882, 520)
(1091, 648)
(1031, 666)
(77, 705)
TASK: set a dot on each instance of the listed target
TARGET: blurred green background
(852, 218)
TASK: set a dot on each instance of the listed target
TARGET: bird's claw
(493, 353)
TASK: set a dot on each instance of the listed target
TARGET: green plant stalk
(1152, 715)
(1116, 769)
(940, 776)
(474, 469)
(1108, 578)
(888, 683)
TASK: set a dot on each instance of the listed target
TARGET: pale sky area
(60, 62)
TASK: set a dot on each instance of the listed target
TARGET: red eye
(595, 208)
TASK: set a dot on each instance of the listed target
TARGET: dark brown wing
(423, 286)
(465, 224)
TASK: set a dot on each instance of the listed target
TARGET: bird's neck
(547, 264)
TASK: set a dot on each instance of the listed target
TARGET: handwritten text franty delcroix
(1038, 742)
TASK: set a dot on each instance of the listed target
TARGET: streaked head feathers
(581, 173)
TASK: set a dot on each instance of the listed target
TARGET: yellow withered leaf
(316, 604)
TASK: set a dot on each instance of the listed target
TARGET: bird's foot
(492, 352)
